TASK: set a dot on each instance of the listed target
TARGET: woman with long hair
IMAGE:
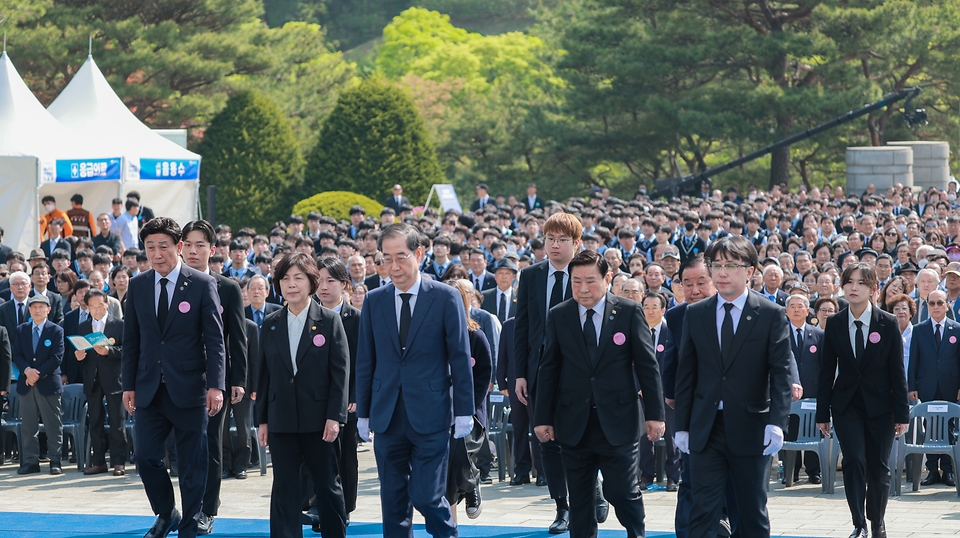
(463, 477)
(863, 391)
(895, 286)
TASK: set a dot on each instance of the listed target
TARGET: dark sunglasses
(937, 303)
(890, 234)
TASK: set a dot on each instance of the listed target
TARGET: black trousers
(189, 426)
(236, 448)
(349, 466)
(710, 470)
(552, 462)
(648, 459)
(621, 484)
(323, 461)
(526, 447)
(866, 444)
(211, 497)
(118, 427)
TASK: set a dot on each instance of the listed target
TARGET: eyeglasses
(890, 234)
(728, 267)
(559, 240)
(936, 303)
(901, 308)
(398, 259)
(828, 311)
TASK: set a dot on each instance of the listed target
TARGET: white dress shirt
(171, 284)
(295, 325)
(398, 302)
(597, 318)
(907, 336)
(98, 324)
(852, 327)
(339, 307)
(735, 313)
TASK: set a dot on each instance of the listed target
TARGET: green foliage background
(337, 204)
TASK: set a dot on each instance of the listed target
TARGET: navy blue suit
(46, 359)
(666, 352)
(411, 397)
(807, 360)
(171, 368)
(935, 371)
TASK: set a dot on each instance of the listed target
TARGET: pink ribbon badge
(473, 362)
(619, 339)
(874, 337)
(953, 339)
(183, 307)
(221, 309)
(813, 349)
(659, 348)
(319, 340)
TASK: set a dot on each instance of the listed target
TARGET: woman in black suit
(868, 398)
(302, 399)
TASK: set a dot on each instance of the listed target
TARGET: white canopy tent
(165, 174)
(31, 141)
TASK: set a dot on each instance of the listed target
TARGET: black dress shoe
(56, 470)
(671, 485)
(931, 479)
(241, 475)
(541, 480)
(644, 483)
(474, 503)
(518, 480)
(815, 479)
(859, 532)
(226, 475)
(205, 525)
(877, 529)
(28, 469)
(561, 524)
(164, 525)
(948, 480)
(603, 507)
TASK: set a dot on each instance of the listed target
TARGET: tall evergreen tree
(251, 155)
(373, 139)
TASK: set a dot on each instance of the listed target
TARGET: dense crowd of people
(575, 311)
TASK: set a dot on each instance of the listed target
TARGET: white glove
(462, 427)
(363, 428)
(772, 439)
(682, 440)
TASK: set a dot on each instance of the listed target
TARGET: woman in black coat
(868, 397)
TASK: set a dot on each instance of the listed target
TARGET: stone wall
(931, 163)
(883, 166)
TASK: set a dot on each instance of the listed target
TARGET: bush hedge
(337, 204)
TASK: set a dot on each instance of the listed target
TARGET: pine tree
(251, 155)
(373, 139)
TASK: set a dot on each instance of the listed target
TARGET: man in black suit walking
(654, 307)
(198, 245)
(501, 301)
(173, 369)
(101, 380)
(739, 370)
(396, 200)
(597, 422)
(807, 343)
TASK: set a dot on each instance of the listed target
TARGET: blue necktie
(258, 317)
(36, 337)
(773, 298)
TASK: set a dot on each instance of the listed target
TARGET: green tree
(251, 155)
(373, 139)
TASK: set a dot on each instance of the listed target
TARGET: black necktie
(937, 336)
(590, 336)
(653, 333)
(726, 332)
(799, 341)
(478, 284)
(404, 319)
(21, 314)
(556, 296)
(164, 305)
(859, 340)
(502, 311)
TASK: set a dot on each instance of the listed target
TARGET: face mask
(848, 229)
(951, 197)
(902, 227)
(49, 207)
(954, 256)
(689, 226)
(751, 197)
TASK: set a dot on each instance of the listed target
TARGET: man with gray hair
(806, 342)
(772, 278)
(14, 312)
(927, 281)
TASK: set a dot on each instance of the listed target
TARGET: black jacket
(107, 366)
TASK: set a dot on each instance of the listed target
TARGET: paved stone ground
(799, 511)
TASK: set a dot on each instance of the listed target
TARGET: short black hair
(410, 235)
(239, 244)
(587, 258)
(94, 292)
(358, 209)
(733, 247)
(48, 198)
(656, 295)
(161, 225)
(134, 194)
(335, 267)
(77, 199)
(201, 226)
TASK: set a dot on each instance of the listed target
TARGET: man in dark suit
(101, 365)
(654, 307)
(37, 352)
(70, 368)
(55, 241)
(532, 201)
(14, 312)
(772, 278)
(396, 200)
(481, 279)
(806, 342)
(237, 449)
(501, 301)
(198, 245)
(106, 237)
(173, 370)
(482, 200)
(381, 277)
(6, 362)
(934, 367)
(259, 308)
(40, 277)
(413, 409)
(740, 374)
(526, 449)
(598, 422)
